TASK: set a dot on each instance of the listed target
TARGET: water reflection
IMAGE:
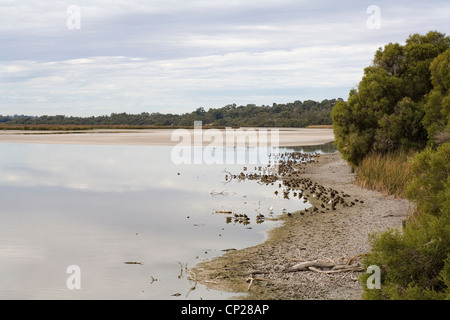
(329, 147)
(99, 207)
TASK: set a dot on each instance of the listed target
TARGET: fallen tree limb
(304, 266)
(344, 267)
(348, 269)
(350, 265)
(251, 282)
(251, 279)
(352, 260)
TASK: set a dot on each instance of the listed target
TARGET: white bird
(271, 209)
(284, 210)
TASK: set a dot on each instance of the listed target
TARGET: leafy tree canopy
(387, 110)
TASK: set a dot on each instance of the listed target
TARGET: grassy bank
(386, 173)
(414, 261)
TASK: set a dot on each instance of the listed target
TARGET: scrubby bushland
(386, 112)
(437, 104)
(394, 128)
(415, 263)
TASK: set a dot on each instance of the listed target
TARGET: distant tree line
(296, 114)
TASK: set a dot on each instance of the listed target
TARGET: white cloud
(98, 82)
(134, 56)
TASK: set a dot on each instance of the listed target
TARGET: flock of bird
(286, 169)
(279, 165)
(322, 198)
(244, 219)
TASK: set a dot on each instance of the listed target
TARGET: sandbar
(284, 137)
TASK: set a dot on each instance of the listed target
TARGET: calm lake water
(99, 207)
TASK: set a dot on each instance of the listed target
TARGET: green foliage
(419, 53)
(401, 129)
(437, 104)
(386, 111)
(415, 263)
(403, 103)
(431, 171)
(296, 114)
(389, 173)
(352, 139)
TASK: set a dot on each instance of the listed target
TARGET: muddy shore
(283, 137)
(305, 236)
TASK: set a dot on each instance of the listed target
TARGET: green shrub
(415, 262)
(437, 104)
(431, 170)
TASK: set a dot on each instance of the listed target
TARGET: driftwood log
(328, 266)
(304, 266)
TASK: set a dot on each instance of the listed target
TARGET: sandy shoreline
(313, 235)
(167, 137)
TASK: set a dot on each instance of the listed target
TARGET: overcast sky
(95, 57)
